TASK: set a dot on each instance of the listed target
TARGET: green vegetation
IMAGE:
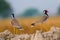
(5, 9)
(59, 10)
(31, 12)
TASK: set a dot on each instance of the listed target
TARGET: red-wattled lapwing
(44, 18)
(15, 23)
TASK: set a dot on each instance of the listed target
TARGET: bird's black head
(12, 15)
(45, 12)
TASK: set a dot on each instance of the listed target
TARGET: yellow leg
(14, 31)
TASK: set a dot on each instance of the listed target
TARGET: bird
(43, 19)
(15, 23)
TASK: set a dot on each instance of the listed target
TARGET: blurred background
(27, 8)
(27, 12)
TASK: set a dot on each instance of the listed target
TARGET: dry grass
(52, 34)
(26, 24)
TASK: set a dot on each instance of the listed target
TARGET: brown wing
(44, 18)
(15, 23)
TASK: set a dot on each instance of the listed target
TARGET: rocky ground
(53, 34)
